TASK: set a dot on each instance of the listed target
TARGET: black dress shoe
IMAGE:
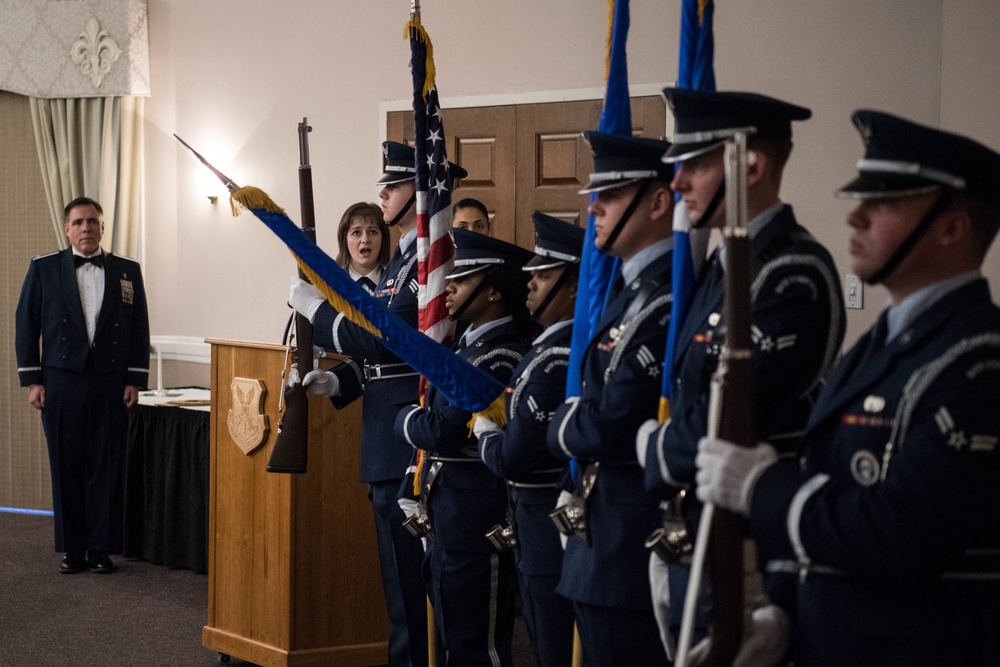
(100, 563)
(72, 563)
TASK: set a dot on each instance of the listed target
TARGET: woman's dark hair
(469, 202)
(364, 211)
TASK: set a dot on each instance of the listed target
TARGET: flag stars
(435, 136)
(440, 186)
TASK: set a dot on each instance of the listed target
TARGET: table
(166, 480)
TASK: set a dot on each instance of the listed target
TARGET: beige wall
(233, 77)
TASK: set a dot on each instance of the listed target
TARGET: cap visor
(601, 186)
(681, 152)
(539, 263)
(874, 186)
(390, 178)
(468, 270)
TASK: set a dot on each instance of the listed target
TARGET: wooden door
(527, 157)
(482, 140)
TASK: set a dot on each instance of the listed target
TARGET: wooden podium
(293, 569)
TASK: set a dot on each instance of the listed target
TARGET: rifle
(291, 445)
(720, 532)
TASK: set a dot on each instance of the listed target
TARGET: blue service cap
(619, 160)
(557, 242)
(704, 120)
(903, 158)
(478, 252)
(399, 164)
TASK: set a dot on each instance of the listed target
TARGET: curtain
(93, 147)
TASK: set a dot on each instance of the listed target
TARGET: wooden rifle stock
(291, 445)
(732, 414)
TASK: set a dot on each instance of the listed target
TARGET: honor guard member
(892, 515)
(604, 567)
(388, 384)
(470, 583)
(87, 308)
(518, 452)
(797, 308)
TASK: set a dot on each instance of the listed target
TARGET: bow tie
(97, 260)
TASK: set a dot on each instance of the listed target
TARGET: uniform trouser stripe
(494, 585)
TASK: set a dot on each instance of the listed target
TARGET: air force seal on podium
(247, 422)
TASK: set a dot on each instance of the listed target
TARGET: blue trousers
(619, 637)
(549, 619)
(85, 421)
(473, 596)
(400, 557)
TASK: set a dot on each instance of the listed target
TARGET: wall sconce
(213, 199)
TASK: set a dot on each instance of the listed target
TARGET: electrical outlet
(854, 292)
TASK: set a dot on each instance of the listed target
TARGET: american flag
(435, 248)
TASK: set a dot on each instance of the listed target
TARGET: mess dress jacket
(49, 311)
(620, 389)
(892, 517)
(383, 455)
(519, 454)
(466, 499)
(798, 328)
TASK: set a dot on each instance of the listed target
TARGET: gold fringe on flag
(413, 29)
(702, 4)
(339, 303)
(418, 475)
(664, 413)
(496, 413)
(250, 197)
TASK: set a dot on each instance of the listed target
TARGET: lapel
(776, 230)
(391, 269)
(659, 270)
(697, 315)
(112, 290)
(71, 292)
(846, 381)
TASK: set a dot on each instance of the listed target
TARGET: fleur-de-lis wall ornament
(94, 52)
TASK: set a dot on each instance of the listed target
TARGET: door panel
(527, 157)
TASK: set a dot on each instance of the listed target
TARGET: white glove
(409, 506)
(293, 376)
(483, 425)
(304, 298)
(659, 584)
(647, 429)
(563, 498)
(321, 383)
(765, 643)
(727, 473)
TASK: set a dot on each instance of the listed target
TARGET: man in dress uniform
(797, 308)
(470, 583)
(891, 516)
(604, 570)
(88, 308)
(518, 452)
(388, 384)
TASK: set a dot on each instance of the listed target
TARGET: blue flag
(695, 71)
(597, 268)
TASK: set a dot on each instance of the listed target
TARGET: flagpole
(432, 657)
